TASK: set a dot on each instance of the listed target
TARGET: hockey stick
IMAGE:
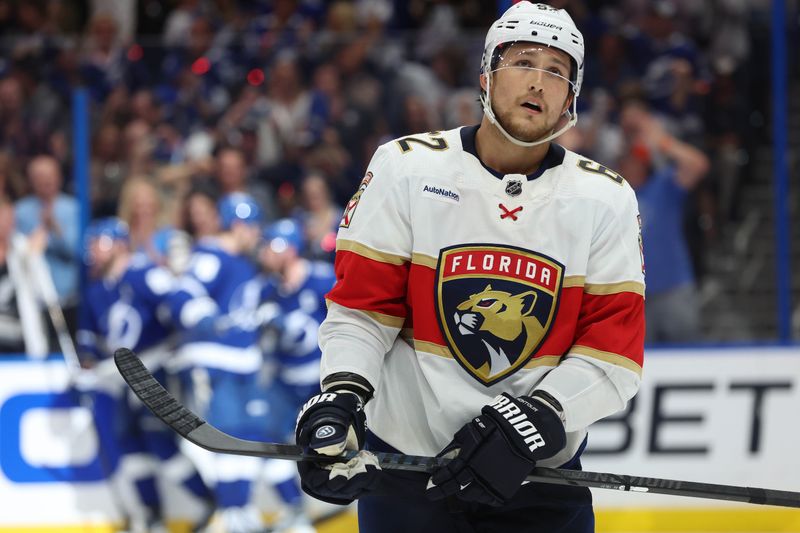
(203, 434)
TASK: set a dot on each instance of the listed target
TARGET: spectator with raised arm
(662, 170)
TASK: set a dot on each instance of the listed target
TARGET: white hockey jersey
(456, 283)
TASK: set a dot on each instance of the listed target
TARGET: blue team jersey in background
(296, 347)
(230, 282)
(128, 312)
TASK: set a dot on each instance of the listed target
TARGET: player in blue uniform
(220, 360)
(297, 287)
(123, 307)
(294, 295)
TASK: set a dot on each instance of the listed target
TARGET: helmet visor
(549, 66)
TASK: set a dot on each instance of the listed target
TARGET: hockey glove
(493, 454)
(328, 424)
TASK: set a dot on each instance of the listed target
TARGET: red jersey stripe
(369, 285)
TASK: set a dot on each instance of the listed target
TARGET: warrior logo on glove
(519, 421)
(495, 306)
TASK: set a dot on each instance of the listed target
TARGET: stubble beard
(524, 130)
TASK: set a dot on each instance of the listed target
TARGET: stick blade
(155, 396)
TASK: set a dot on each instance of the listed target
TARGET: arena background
(125, 90)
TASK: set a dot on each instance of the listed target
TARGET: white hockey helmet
(534, 23)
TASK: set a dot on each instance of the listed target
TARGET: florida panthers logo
(495, 306)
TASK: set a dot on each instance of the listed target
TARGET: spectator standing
(140, 208)
(320, 218)
(662, 170)
(201, 218)
(231, 174)
(50, 219)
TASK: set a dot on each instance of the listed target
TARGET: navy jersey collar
(553, 157)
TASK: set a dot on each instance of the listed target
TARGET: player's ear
(483, 82)
(568, 102)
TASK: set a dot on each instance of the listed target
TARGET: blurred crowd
(287, 99)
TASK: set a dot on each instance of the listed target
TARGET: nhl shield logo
(495, 305)
(514, 188)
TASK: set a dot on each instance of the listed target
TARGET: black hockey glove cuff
(493, 454)
(328, 424)
(331, 422)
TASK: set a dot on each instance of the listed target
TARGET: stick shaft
(203, 434)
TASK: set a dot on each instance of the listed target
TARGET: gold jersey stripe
(424, 260)
(385, 320)
(614, 288)
(543, 360)
(369, 253)
(444, 351)
(608, 357)
(432, 348)
(381, 318)
(574, 281)
(604, 288)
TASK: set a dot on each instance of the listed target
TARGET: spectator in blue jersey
(220, 362)
(49, 218)
(662, 171)
(122, 307)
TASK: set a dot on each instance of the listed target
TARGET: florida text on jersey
(472, 282)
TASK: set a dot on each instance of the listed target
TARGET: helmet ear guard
(540, 24)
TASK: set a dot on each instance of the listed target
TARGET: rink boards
(726, 416)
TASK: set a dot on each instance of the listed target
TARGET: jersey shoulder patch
(586, 177)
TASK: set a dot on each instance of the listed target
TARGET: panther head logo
(495, 305)
(505, 325)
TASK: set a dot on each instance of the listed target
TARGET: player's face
(203, 215)
(274, 255)
(248, 235)
(530, 90)
(101, 253)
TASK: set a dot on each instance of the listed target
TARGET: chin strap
(486, 100)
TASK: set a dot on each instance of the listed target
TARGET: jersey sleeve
(157, 286)
(367, 305)
(603, 368)
(191, 302)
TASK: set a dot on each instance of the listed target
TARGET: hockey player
(488, 306)
(123, 306)
(294, 294)
(298, 287)
(220, 360)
